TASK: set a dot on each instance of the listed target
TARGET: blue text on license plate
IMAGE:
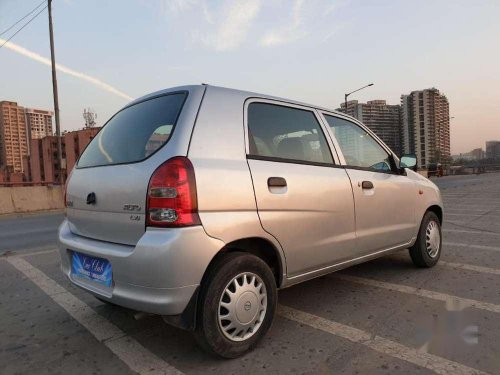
(91, 268)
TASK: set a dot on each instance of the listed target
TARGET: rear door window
(280, 132)
(135, 132)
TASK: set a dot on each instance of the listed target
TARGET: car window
(358, 147)
(135, 132)
(286, 133)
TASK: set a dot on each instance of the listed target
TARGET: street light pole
(352, 92)
(56, 97)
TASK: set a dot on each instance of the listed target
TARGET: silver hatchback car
(198, 202)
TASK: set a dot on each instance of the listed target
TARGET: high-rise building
(13, 136)
(426, 126)
(382, 118)
(39, 122)
(493, 150)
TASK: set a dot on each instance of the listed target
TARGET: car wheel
(427, 249)
(237, 305)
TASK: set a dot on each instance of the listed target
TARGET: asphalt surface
(22, 233)
(381, 317)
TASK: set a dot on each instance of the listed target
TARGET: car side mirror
(408, 161)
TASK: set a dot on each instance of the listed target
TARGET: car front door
(304, 198)
(384, 198)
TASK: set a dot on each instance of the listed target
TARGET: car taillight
(171, 200)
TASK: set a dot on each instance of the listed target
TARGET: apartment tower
(39, 122)
(13, 136)
(426, 126)
(382, 118)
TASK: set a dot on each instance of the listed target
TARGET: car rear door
(304, 198)
(384, 198)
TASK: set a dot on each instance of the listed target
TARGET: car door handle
(276, 182)
(367, 185)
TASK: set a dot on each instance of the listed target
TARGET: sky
(110, 51)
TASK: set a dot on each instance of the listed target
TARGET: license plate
(94, 269)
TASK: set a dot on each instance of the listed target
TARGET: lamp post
(352, 92)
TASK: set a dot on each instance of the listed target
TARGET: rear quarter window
(134, 133)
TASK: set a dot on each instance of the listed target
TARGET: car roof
(229, 91)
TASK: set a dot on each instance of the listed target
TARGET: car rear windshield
(135, 132)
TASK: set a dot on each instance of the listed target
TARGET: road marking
(459, 223)
(487, 214)
(33, 250)
(480, 247)
(42, 252)
(380, 344)
(126, 348)
(470, 231)
(447, 298)
(450, 198)
(474, 206)
(484, 210)
(470, 267)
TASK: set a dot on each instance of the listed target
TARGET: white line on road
(467, 199)
(380, 344)
(471, 232)
(40, 252)
(484, 210)
(32, 251)
(474, 206)
(458, 223)
(480, 247)
(447, 298)
(473, 215)
(470, 267)
(131, 352)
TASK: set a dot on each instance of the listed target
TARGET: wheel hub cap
(432, 239)
(242, 306)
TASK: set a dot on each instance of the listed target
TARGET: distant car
(435, 169)
(197, 203)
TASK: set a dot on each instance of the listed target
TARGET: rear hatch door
(106, 193)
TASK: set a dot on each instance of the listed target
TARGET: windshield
(134, 133)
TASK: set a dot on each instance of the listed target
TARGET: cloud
(334, 6)
(176, 7)
(233, 29)
(289, 33)
(63, 69)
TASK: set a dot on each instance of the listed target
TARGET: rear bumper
(159, 275)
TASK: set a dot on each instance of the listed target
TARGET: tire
(427, 249)
(254, 300)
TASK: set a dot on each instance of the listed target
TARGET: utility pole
(56, 97)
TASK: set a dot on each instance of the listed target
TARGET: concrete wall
(30, 198)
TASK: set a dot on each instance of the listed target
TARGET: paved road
(21, 233)
(381, 317)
